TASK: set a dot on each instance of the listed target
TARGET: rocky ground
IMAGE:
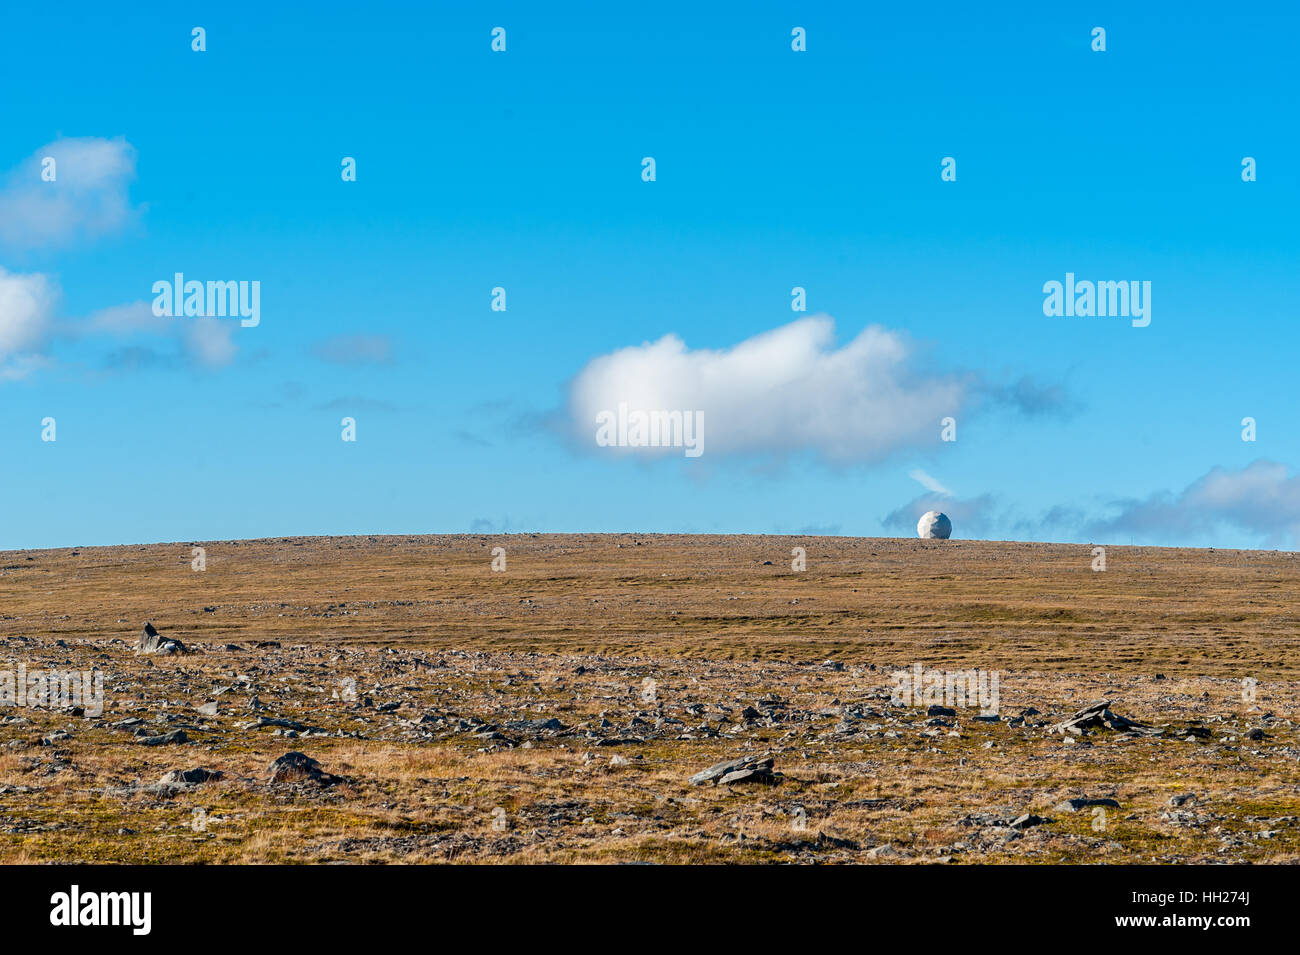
(396, 700)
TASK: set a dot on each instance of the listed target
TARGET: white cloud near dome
(788, 390)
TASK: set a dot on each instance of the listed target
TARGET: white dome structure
(934, 524)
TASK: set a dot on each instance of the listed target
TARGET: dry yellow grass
(575, 627)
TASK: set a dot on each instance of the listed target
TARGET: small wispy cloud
(203, 342)
(355, 350)
(210, 341)
(928, 482)
(1031, 398)
(356, 403)
(470, 439)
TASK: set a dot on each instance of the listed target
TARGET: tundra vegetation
(396, 699)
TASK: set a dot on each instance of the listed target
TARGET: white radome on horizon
(934, 524)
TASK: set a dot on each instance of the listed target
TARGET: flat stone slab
(743, 769)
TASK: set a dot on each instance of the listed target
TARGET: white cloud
(928, 482)
(787, 390)
(88, 197)
(27, 304)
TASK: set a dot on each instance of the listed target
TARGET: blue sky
(523, 170)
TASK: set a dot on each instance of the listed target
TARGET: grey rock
(1027, 820)
(743, 769)
(1083, 802)
(551, 725)
(262, 721)
(1097, 715)
(297, 767)
(190, 777)
(151, 641)
(884, 852)
(166, 739)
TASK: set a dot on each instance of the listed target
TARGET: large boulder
(151, 641)
(299, 768)
(744, 769)
(190, 777)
